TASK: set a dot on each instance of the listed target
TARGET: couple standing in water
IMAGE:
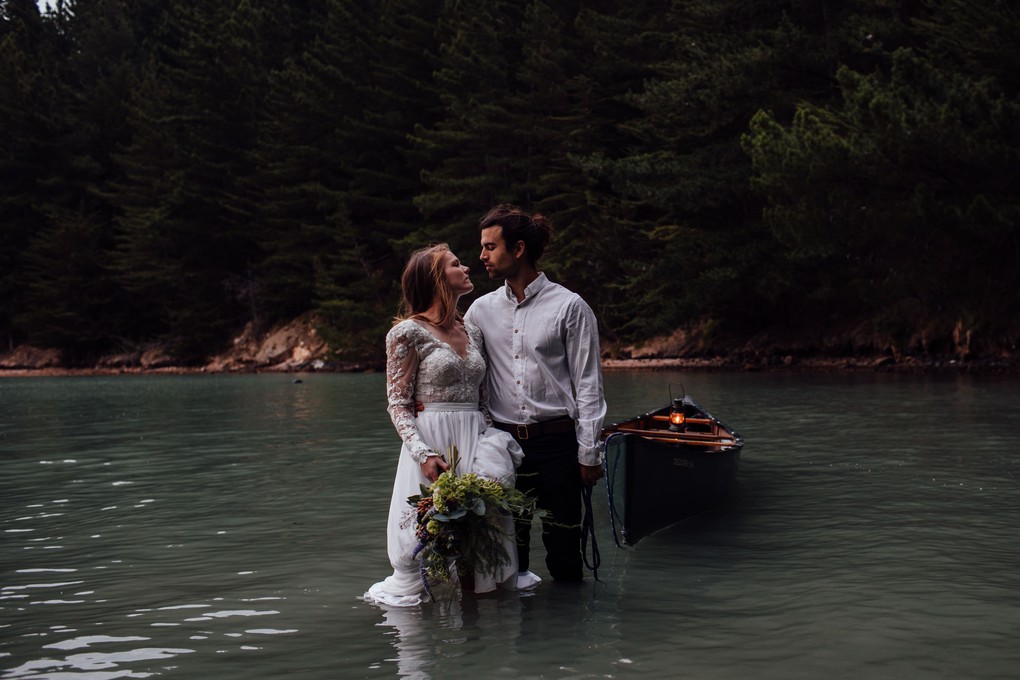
(515, 384)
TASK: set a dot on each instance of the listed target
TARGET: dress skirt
(483, 450)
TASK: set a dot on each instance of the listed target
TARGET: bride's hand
(433, 467)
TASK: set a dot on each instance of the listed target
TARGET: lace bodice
(422, 368)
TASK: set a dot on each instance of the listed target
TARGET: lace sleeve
(478, 339)
(401, 374)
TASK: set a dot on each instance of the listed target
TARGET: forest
(829, 175)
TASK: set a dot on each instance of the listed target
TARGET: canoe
(668, 473)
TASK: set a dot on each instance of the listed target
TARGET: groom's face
(498, 260)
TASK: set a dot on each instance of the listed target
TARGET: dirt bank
(297, 346)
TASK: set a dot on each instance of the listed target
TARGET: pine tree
(187, 247)
(472, 156)
(309, 159)
(30, 156)
(396, 95)
(898, 202)
(69, 291)
(586, 78)
(298, 161)
(71, 299)
(356, 291)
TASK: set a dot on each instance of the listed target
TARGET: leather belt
(524, 431)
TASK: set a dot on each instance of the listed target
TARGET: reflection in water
(452, 634)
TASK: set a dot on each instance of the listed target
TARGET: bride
(436, 361)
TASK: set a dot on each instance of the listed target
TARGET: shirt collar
(530, 291)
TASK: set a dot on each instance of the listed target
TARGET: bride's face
(457, 274)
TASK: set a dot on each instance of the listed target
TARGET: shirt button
(517, 356)
(516, 331)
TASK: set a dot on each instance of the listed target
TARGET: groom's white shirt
(543, 359)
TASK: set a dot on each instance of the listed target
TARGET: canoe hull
(668, 477)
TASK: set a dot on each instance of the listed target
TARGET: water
(225, 526)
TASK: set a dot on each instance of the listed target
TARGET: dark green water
(225, 527)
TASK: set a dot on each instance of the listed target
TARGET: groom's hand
(591, 474)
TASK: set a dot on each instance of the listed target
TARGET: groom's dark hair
(535, 230)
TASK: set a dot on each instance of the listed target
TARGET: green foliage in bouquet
(455, 523)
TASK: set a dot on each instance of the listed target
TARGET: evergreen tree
(69, 291)
(176, 169)
(30, 156)
(688, 175)
(187, 248)
(71, 300)
(396, 94)
(320, 165)
(357, 291)
(698, 249)
(473, 158)
(299, 159)
(898, 203)
(593, 250)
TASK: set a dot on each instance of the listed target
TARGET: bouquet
(454, 523)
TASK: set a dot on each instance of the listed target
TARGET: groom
(544, 384)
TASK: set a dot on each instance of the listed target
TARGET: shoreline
(874, 364)
(859, 364)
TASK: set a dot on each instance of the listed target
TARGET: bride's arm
(401, 377)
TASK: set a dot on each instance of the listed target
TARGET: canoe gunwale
(726, 437)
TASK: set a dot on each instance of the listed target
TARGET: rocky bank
(289, 347)
(297, 346)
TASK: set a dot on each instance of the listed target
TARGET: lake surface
(226, 526)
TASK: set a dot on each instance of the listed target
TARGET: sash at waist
(450, 406)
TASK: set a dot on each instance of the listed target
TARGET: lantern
(677, 419)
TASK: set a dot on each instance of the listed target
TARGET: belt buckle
(522, 431)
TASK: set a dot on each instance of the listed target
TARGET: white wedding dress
(421, 368)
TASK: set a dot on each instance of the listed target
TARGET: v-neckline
(467, 345)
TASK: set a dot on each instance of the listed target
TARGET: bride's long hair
(423, 283)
